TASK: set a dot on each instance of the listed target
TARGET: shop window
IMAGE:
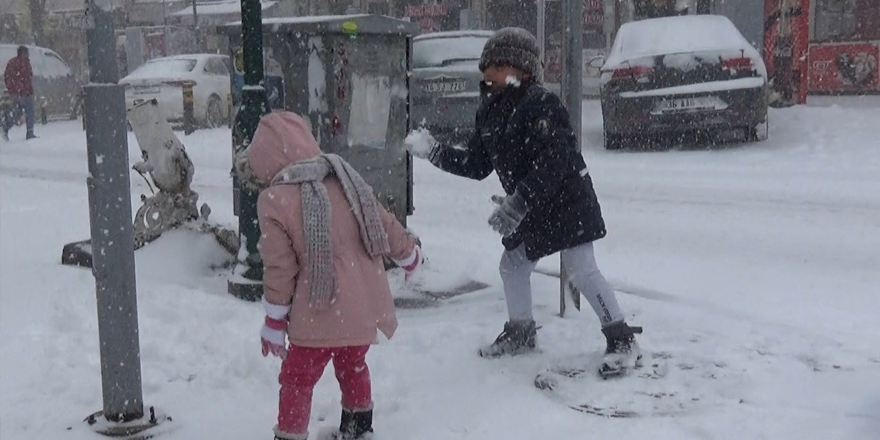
(843, 20)
(377, 8)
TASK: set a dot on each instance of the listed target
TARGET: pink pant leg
(353, 375)
(300, 372)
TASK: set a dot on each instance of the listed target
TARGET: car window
(439, 52)
(54, 67)
(214, 66)
(38, 62)
(6, 54)
(227, 63)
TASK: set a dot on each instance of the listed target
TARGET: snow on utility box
(349, 76)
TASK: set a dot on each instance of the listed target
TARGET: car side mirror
(597, 62)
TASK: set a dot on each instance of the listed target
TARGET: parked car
(55, 87)
(163, 79)
(446, 81)
(673, 75)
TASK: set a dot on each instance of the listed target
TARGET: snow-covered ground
(755, 269)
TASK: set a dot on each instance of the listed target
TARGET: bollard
(229, 109)
(189, 115)
(44, 119)
(112, 239)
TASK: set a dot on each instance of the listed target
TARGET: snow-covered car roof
(681, 34)
(171, 66)
(438, 49)
(454, 34)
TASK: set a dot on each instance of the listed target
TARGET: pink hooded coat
(363, 302)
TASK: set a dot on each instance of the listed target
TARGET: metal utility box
(350, 76)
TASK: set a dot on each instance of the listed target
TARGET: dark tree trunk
(37, 9)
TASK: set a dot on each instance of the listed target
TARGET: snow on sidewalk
(753, 268)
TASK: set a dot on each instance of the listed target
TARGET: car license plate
(696, 103)
(146, 90)
(444, 86)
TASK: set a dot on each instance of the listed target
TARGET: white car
(163, 79)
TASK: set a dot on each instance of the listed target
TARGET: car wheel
(214, 115)
(614, 141)
(758, 132)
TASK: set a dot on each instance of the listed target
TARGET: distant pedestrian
(19, 78)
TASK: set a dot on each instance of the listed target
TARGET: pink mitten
(273, 335)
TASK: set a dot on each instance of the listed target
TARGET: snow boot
(518, 337)
(356, 425)
(31, 135)
(622, 352)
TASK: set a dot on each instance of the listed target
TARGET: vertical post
(248, 272)
(196, 26)
(189, 116)
(542, 33)
(572, 91)
(111, 225)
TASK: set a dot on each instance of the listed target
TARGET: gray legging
(580, 263)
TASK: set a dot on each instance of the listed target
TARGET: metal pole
(248, 272)
(572, 91)
(111, 225)
(542, 31)
(196, 26)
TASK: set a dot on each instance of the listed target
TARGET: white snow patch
(715, 86)
(682, 61)
(317, 77)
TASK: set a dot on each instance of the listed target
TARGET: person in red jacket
(20, 85)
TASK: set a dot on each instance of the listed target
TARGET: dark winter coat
(524, 135)
(19, 77)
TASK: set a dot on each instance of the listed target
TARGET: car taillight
(179, 83)
(739, 63)
(634, 72)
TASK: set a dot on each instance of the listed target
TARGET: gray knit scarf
(309, 174)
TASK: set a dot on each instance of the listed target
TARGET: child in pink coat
(324, 236)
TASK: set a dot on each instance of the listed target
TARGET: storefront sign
(594, 14)
(429, 17)
(845, 67)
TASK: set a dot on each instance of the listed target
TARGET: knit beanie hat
(515, 47)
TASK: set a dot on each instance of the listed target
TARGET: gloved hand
(273, 335)
(422, 145)
(509, 214)
(411, 263)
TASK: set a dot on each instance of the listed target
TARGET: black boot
(621, 352)
(355, 424)
(518, 337)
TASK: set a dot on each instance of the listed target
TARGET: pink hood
(281, 139)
